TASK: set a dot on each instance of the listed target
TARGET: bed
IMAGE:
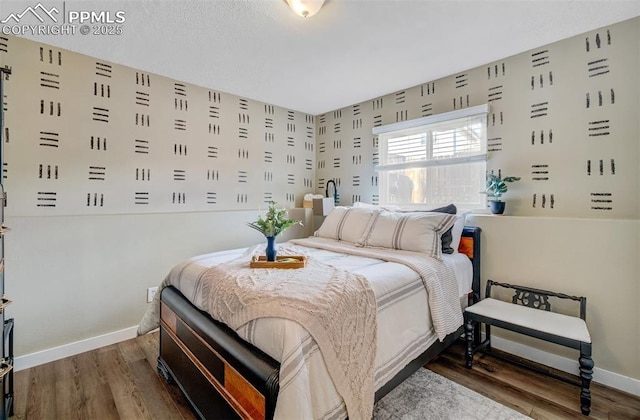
(274, 368)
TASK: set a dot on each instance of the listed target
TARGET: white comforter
(405, 327)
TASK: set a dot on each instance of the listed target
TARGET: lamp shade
(305, 8)
(323, 206)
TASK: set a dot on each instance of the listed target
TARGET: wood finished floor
(534, 394)
(120, 382)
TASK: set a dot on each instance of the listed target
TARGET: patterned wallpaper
(564, 117)
(85, 136)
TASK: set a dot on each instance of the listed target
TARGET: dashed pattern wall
(564, 117)
(85, 136)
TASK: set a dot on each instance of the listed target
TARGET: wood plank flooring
(531, 393)
(120, 382)
(114, 382)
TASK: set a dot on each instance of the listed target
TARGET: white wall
(72, 278)
(598, 259)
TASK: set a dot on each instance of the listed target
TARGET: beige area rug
(427, 395)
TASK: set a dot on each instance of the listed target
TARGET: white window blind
(434, 160)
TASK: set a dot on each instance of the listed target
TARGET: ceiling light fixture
(305, 8)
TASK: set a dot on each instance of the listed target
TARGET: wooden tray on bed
(282, 261)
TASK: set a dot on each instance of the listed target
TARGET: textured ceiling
(351, 51)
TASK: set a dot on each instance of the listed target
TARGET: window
(434, 160)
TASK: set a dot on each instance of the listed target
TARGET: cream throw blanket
(336, 307)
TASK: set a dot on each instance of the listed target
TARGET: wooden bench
(530, 313)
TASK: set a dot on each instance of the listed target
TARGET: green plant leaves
(274, 223)
(496, 186)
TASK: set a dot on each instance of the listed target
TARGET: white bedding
(405, 327)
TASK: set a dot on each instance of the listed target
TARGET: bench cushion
(570, 327)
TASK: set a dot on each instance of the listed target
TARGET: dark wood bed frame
(223, 376)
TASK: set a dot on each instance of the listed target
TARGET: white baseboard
(604, 377)
(66, 350)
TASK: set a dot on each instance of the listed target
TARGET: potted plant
(495, 187)
(274, 223)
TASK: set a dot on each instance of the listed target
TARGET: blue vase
(271, 250)
(497, 207)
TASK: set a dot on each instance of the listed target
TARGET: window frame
(429, 125)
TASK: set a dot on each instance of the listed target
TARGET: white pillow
(347, 224)
(415, 231)
(363, 205)
(456, 231)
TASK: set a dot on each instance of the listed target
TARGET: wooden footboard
(220, 374)
(223, 376)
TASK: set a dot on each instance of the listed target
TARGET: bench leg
(477, 337)
(469, 331)
(586, 374)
